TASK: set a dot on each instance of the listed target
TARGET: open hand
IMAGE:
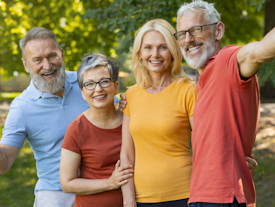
(119, 176)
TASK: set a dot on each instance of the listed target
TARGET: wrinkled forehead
(40, 47)
(192, 18)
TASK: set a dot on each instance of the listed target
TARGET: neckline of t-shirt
(83, 115)
(160, 93)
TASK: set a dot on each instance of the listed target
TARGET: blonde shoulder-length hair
(141, 73)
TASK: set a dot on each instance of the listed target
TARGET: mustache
(193, 44)
(53, 69)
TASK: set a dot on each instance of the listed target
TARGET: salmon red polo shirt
(226, 118)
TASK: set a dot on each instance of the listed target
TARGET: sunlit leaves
(258, 3)
(75, 36)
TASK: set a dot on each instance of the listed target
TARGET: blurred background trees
(108, 26)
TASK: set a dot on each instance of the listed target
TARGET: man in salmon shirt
(226, 113)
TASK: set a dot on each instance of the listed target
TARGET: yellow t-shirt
(159, 125)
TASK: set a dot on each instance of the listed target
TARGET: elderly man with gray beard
(226, 114)
(41, 114)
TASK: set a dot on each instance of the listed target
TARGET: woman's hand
(119, 176)
(252, 164)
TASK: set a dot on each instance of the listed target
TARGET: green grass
(265, 178)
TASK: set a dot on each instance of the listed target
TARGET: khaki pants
(44, 198)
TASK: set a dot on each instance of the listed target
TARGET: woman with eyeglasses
(90, 165)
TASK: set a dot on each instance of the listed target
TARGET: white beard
(199, 61)
(55, 84)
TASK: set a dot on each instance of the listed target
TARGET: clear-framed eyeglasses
(104, 83)
(193, 31)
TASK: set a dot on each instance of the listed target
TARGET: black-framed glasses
(193, 31)
(104, 83)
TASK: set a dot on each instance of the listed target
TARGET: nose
(188, 38)
(47, 65)
(155, 52)
(98, 87)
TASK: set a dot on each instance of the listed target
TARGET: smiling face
(197, 49)
(99, 97)
(154, 53)
(44, 61)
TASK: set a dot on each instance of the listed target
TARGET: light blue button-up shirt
(42, 119)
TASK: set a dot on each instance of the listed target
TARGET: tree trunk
(268, 90)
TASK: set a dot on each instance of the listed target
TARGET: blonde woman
(157, 121)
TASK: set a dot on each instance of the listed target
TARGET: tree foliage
(76, 36)
(108, 26)
(243, 20)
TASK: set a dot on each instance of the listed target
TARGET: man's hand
(252, 164)
(122, 102)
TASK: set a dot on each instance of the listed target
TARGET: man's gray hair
(37, 33)
(93, 60)
(211, 14)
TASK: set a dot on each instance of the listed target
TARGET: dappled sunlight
(265, 138)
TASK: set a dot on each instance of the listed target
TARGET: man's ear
(25, 65)
(62, 53)
(219, 31)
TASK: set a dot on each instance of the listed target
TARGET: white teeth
(48, 73)
(155, 61)
(98, 97)
(193, 48)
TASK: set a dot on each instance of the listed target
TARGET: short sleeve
(191, 98)
(129, 98)
(71, 139)
(228, 58)
(116, 99)
(15, 129)
(126, 109)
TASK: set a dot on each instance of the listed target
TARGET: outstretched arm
(7, 156)
(251, 56)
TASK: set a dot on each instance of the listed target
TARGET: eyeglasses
(104, 83)
(193, 31)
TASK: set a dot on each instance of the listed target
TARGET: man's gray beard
(55, 84)
(201, 60)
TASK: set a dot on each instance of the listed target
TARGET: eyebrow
(88, 80)
(37, 57)
(161, 44)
